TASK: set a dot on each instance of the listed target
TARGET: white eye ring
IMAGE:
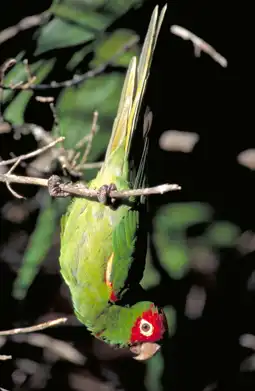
(146, 328)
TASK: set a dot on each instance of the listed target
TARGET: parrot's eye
(146, 328)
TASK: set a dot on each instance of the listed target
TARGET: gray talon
(104, 194)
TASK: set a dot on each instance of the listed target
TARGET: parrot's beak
(145, 350)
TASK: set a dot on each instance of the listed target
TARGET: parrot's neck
(114, 170)
(113, 323)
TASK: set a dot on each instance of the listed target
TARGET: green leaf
(78, 57)
(120, 7)
(79, 4)
(88, 19)
(169, 235)
(115, 43)
(181, 216)
(38, 246)
(171, 319)
(60, 34)
(174, 258)
(77, 22)
(222, 234)
(115, 7)
(154, 372)
(15, 110)
(151, 276)
(76, 106)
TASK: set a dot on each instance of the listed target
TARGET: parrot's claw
(54, 183)
(104, 195)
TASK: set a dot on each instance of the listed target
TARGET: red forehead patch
(156, 319)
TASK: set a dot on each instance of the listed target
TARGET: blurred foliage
(175, 249)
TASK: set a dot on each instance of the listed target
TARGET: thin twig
(55, 117)
(199, 44)
(29, 155)
(23, 180)
(31, 329)
(28, 71)
(91, 136)
(87, 139)
(24, 24)
(77, 79)
(6, 65)
(44, 99)
(14, 193)
(88, 166)
(3, 357)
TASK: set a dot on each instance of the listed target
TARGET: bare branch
(77, 79)
(5, 127)
(37, 152)
(3, 357)
(24, 24)
(82, 165)
(23, 180)
(161, 189)
(79, 190)
(90, 139)
(6, 65)
(44, 99)
(88, 166)
(31, 329)
(199, 44)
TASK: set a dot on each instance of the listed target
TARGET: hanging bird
(99, 240)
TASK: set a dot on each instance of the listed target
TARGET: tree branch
(59, 189)
(24, 24)
(30, 329)
(37, 152)
(199, 44)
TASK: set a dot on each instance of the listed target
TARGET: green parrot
(99, 252)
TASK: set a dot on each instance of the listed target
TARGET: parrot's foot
(104, 195)
(54, 188)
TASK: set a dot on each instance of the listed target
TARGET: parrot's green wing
(125, 233)
(119, 264)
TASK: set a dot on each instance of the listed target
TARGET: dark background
(185, 93)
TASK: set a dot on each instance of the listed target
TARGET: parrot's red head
(140, 327)
(149, 327)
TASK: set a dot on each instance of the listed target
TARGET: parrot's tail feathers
(140, 177)
(120, 126)
(143, 69)
(132, 94)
